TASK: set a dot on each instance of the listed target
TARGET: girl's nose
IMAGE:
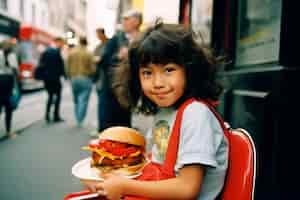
(158, 81)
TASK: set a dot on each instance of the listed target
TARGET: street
(37, 163)
(32, 109)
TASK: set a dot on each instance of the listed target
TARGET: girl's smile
(161, 95)
(163, 84)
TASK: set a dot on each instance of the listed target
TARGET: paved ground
(37, 163)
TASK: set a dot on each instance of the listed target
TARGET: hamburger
(119, 150)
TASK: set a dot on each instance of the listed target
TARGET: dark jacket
(52, 60)
(117, 115)
(111, 50)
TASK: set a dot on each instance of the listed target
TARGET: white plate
(82, 169)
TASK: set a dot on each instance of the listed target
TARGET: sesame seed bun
(124, 135)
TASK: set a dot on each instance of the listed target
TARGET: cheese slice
(135, 153)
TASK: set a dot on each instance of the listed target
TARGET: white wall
(104, 13)
(101, 13)
(14, 8)
(40, 12)
(27, 12)
(168, 10)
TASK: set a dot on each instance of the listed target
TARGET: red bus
(33, 42)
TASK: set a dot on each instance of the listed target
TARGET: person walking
(8, 72)
(115, 51)
(99, 77)
(53, 63)
(80, 68)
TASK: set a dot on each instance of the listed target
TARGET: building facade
(107, 14)
(53, 16)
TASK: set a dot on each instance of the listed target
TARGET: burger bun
(124, 171)
(124, 135)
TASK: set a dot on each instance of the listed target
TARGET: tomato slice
(113, 147)
(94, 144)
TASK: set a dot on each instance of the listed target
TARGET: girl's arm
(185, 186)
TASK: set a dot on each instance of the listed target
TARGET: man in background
(100, 33)
(100, 77)
(53, 62)
(116, 51)
(80, 68)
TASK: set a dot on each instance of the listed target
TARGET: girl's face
(163, 84)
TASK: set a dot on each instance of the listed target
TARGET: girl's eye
(169, 69)
(146, 73)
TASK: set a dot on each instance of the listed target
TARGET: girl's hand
(90, 185)
(112, 187)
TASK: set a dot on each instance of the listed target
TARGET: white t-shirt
(202, 141)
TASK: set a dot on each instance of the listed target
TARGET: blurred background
(31, 25)
(259, 39)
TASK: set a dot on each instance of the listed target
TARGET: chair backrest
(240, 178)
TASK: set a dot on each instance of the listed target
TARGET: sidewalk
(30, 110)
(32, 107)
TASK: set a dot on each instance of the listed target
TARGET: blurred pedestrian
(53, 62)
(8, 72)
(81, 69)
(116, 51)
(100, 33)
(99, 77)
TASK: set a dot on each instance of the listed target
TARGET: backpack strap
(211, 107)
(171, 153)
(172, 150)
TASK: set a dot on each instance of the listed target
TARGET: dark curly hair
(171, 43)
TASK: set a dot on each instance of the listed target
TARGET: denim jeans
(81, 88)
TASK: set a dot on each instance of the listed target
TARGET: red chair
(240, 179)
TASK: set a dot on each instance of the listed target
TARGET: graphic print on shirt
(161, 133)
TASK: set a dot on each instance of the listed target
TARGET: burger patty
(117, 163)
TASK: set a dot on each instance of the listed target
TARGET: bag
(40, 73)
(6, 85)
(15, 97)
(154, 171)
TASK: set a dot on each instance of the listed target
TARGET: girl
(166, 68)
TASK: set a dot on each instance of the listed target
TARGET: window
(22, 8)
(30, 52)
(33, 14)
(123, 7)
(3, 4)
(201, 18)
(258, 32)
